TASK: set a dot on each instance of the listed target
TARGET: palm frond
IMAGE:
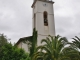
(77, 38)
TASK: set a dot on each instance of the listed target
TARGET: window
(45, 18)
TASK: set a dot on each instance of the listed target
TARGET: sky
(16, 18)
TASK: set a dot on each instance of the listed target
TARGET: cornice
(41, 0)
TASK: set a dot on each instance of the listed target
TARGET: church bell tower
(43, 18)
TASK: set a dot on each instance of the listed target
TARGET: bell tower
(43, 18)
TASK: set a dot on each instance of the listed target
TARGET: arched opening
(45, 14)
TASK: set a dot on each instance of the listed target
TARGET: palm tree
(52, 48)
(76, 43)
(70, 53)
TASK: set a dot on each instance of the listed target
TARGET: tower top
(44, 0)
(49, 1)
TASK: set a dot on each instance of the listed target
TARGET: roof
(23, 39)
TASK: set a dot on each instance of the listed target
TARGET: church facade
(43, 21)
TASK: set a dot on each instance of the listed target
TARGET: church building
(43, 22)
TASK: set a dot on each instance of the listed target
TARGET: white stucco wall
(20, 45)
(23, 46)
(38, 10)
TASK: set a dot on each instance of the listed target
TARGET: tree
(3, 40)
(52, 48)
(70, 53)
(9, 52)
(76, 43)
(33, 42)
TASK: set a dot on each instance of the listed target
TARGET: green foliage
(70, 53)
(9, 52)
(76, 42)
(52, 48)
(3, 40)
(74, 49)
(34, 42)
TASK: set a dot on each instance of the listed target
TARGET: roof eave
(40, 0)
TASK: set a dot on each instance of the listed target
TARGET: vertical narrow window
(45, 18)
(34, 20)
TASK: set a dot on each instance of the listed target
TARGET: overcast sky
(16, 18)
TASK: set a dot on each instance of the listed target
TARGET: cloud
(67, 17)
(16, 18)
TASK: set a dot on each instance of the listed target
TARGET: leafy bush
(9, 52)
